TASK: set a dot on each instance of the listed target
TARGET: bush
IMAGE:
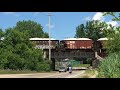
(44, 66)
(18, 53)
(110, 66)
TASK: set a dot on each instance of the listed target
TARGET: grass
(89, 74)
(16, 71)
(81, 65)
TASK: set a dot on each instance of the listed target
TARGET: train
(69, 43)
(43, 43)
(78, 43)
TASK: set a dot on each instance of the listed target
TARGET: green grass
(16, 71)
(81, 65)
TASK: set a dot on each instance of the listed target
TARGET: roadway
(75, 74)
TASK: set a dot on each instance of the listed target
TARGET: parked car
(62, 69)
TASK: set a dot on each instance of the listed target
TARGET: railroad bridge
(73, 48)
(72, 54)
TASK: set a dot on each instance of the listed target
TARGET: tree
(114, 41)
(1, 33)
(94, 31)
(80, 31)
(46, 35)
(110, 66)
(18, 52)
(114, 14)
(32, 28)
(114, 33)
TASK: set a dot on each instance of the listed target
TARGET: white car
(62, 69)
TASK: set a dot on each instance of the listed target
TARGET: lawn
(16, 71)
(81, 65)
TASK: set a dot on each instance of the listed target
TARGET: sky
(63, 24)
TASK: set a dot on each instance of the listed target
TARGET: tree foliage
(32, 28)
(116, 16)
(1, 33)
(110, 66)
(114, 41)
(114, 34)
(80, 31)
(18, 53)
(95, 29)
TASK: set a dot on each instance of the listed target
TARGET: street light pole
(49, 26)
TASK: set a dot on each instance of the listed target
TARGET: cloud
(11, 13)
(98, 16)
(113, 23)
(88, 18)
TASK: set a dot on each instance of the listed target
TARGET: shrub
(43, 67)
(110, 66)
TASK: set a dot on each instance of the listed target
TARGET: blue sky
(64, 23)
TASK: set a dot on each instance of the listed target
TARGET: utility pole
(49, 26)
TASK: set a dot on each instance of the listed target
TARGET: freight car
(43, 43)
(78, 43)
(104, 43)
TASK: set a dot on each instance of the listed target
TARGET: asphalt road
(74, 74)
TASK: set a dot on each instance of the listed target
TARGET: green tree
(114, 41)
(116, 15)
(113, 33)
(32, 28)
(110, 66)
(95, 30)
(1, 33)
(18, 52)
(80, 31)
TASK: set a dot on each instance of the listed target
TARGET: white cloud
(98, 16)
(88, 18)
(113, 23)
(11, 13)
